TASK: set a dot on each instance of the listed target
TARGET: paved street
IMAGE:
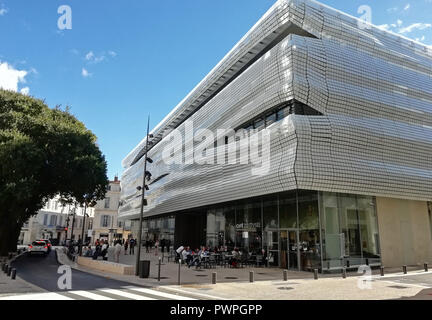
(39, 275)
(41, 271)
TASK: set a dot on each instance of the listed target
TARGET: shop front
(298, 230)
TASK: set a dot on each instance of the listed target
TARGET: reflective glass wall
(350, 234)
(298, 230)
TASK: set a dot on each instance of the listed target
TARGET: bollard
(285, 275)
(179, 272)
(367, 261)
(159, 268)
(344, 273)
(6, 268)
(251, 276)
(3, 266)
(13, 274)
(348, 264)
(404, 269)
(316, 274)
(426, 267)
(9, 271)
(214, 277)
(382, 271)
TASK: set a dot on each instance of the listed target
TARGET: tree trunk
(9, 234)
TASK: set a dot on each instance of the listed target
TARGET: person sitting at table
(235, 259)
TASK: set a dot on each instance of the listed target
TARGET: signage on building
(252, 227)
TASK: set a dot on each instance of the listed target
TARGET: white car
(39, 247)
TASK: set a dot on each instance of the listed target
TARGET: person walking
(156, 247)
(147, 244)
(117, 251)
(126, 244)
(131, 246)
(162, 244)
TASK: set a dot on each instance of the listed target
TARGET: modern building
(57, 222)
(340, 112)
(106, 226)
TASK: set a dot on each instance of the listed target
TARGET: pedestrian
(147, 244)
(162, 244)
(132, 246)
(126, 244)
(117, 251)
(156, 247)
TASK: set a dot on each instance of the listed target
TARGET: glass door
(289, 250)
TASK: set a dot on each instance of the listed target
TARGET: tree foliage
(43, 152)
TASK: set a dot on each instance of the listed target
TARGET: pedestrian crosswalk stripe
(126, 294)
(91, 295)
(201, 295)
(123, 293)
(37, 296)
(159, 293)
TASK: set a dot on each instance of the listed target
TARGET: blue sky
(123, 60)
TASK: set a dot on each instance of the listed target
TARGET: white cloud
(85, 73)
(391, 10)
(399, 22)
(25, 90)
(414, 26)
(407, 7)
(93, 58)
(11, 77)
(89, 56)
(384, 27)
(3, 11)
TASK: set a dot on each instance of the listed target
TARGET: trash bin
(144, 268)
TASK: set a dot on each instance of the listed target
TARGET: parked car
(48, 243)
(38, 247)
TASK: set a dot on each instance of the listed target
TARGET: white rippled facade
(373, 137)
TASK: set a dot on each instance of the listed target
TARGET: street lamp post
(82, 234)
(143, 188)
(73, 222)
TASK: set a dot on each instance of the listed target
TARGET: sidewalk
(269, 284)
(8, 286)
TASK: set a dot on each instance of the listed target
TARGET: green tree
(43, 152)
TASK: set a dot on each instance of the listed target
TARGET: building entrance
(289, 249)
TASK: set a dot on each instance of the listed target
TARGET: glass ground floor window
(298, 230)
(159, 229)
(349, 230)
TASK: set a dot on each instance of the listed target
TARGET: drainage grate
(285, 288)
(398, 287)
(201, 275)
(262, 273)
(161, 278)
(231, 278)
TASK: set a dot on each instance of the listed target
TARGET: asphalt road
(42, 272)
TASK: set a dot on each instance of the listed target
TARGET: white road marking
(125, 294)
(397, 275)
(37, 296)
(195, 294)
(90, 295)
(159, 293)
